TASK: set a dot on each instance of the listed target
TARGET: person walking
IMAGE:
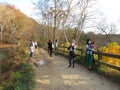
(36, 44)
(56, 46)
(72, 54)
(50, 47)
(31, 48)
(89, 54)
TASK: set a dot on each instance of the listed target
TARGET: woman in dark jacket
(50, 47)
(72, 54)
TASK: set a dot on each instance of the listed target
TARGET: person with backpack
(72, 54)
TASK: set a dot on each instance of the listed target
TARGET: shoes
(89, 68)
(55, 53)
(73, 66)
(69, 66)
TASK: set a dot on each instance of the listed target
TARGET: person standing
(31, 47)
(72, 54)
(89, 54)
(50, 47)
(36, 45)
(56, 46)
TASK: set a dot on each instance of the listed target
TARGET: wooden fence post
(99, 55)
(64, 49)
(82, 51)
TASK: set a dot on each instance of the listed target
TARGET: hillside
(16, 27)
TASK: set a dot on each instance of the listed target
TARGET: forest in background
(17, 28)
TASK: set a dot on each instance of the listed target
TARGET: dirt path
(52, 73)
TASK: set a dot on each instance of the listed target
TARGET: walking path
(52, 73)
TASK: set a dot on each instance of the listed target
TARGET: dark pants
(71, 59)
(31, 54)
(35, 46)
(50, 52)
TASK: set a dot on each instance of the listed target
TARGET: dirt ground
(52, 73)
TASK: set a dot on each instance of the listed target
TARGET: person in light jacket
(31, 48)
(56, 46)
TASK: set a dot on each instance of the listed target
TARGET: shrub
(23, 79)
(113, 48)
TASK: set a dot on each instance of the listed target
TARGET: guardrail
(81, 53)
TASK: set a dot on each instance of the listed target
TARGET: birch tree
(68, 13)
(84, 17)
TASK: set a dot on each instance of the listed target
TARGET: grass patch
(17, 73)
(3, 54)
(22, 79)
(109, 73)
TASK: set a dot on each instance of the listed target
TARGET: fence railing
(81, 53)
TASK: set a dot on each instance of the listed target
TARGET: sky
(110, 8)
(25, 6)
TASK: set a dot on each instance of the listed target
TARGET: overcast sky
(110, 8)
(25, 6)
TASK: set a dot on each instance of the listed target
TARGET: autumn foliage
(16, 27)
(112, 48)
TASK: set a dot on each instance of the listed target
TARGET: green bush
(23, 79)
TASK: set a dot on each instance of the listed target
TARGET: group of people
(89, 57)
(51, 46)
(32, 46)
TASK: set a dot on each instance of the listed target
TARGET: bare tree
(107, 29)
(67, 13)
(52, 12)
(3, 20)
(84, 16)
